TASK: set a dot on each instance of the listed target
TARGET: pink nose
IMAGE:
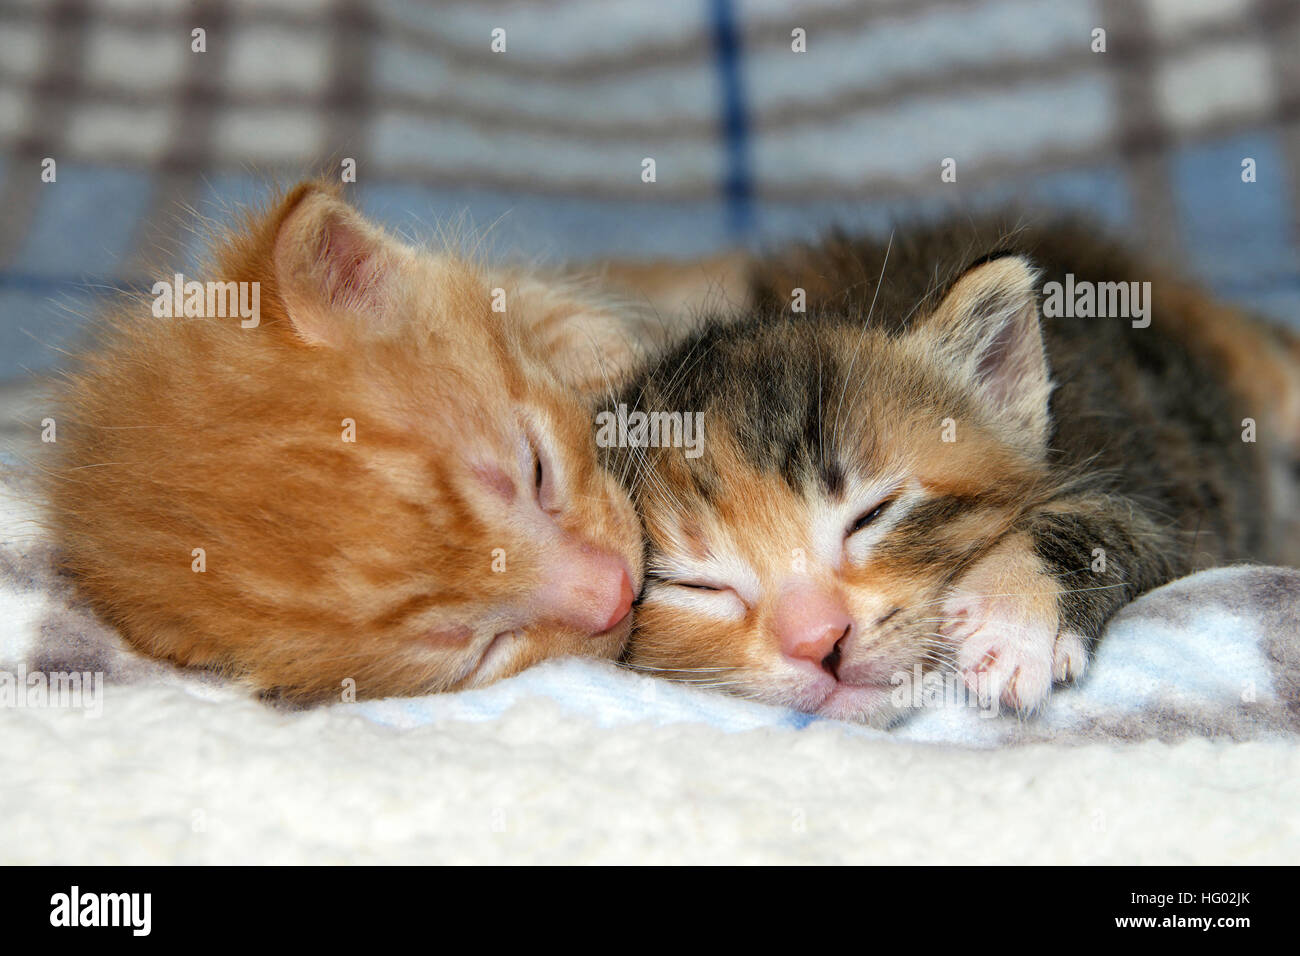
(810, 621)
(622, 605)
(586, 588)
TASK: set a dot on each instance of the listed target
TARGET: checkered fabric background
(543, 144)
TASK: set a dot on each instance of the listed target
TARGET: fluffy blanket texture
(1183, 745)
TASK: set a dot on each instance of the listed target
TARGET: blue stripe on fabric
(89, 286)
(550, 228)
(1237, 233)
(37, 324)
(738, 184)
(86, 220)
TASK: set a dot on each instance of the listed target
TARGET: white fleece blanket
(1181, 746)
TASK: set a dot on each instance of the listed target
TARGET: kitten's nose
(810, 623)
(586, 588)
(623, 607)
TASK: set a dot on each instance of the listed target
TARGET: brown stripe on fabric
(1053, 65)
(791, 114)
(902, 188)
(197, 100)
(696, 47)
(1143, 138)
(760, 37)
(52, 92)
(348, 94)
(1279, 26)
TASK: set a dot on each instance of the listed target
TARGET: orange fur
(717, 283)
(327, 559)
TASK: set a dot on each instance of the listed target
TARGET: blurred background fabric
(541, 146)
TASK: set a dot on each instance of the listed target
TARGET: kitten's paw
(1003, 615)
(1005, 651)
(1070, 657)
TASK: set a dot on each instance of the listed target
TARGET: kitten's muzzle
(585, 588)
(819, 635)
(812, 624)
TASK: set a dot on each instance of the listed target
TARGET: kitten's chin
(497, 660)
(510, 652)
(862, 701)
(870, 704)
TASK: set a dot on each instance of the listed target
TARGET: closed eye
(711, 596)
(867, 517)
(693, 585)
(544, 489)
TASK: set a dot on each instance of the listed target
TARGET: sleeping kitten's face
(387, 485)
(808, 556)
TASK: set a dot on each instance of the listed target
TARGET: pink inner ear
(351, 266)
(998, 365)
(1010, 362)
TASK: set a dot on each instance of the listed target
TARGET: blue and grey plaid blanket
(766, 121)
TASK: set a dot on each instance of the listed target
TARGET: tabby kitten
(379, 480)
(925, 470)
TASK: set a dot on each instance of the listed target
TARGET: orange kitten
(377, 478)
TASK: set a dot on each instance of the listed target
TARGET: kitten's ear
(987, 328)
(335, 272)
